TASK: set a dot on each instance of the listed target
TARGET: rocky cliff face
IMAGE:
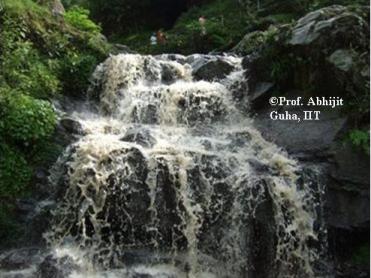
(325, 53)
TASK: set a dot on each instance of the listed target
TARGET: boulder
(142, 137)
(260, 95)
(323, 53)
(68, 130)
(169, 73)
(72, 126)
(348, 195)
(318, 26)
(307, 140)
(214, 69)
(250, 43)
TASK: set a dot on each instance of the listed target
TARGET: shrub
(24, 69)
(14, 172)
(78, 17)
(360, 139)
(75, 71)
(26, 120)
(15, 175)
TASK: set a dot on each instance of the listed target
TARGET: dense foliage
(226, 23)
(78, 17)
(41, 57)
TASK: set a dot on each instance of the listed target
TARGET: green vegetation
(227, 22)
(362, 255)
(360, 139)
(78, 17)
(42, 56)
(14, 172)
(225, 26)
(26, 120)
(338, 69)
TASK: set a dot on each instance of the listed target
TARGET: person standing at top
(153, 39)
(202, 21)
(161, 38)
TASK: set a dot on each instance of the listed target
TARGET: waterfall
(171, 179)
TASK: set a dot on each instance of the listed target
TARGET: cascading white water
(171, 180)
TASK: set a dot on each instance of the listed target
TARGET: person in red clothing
(161, 38)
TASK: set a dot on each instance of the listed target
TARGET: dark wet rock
(347, 169)
(41, 175)
(342, 59)
(34, 217)
(260, 95)
(333, 42)
(348, 190)
(333, 39)
(306, 140)
(344, 246)
(125, 204)
(258, 166)
(53, 267)
(345, 172)
(352, 271)
(168, 207)
(169, 74)
(142, 137)
(261, 240)
(26, 206)
(214, 69)
(67, 131)
(147, 114)
(19, 274)
(198, 109)
(72, 126)
(311, 27)
(40, 222)
(172, 57)
(197, 60)
(19, 259)
(138, 274)
(143, 257)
